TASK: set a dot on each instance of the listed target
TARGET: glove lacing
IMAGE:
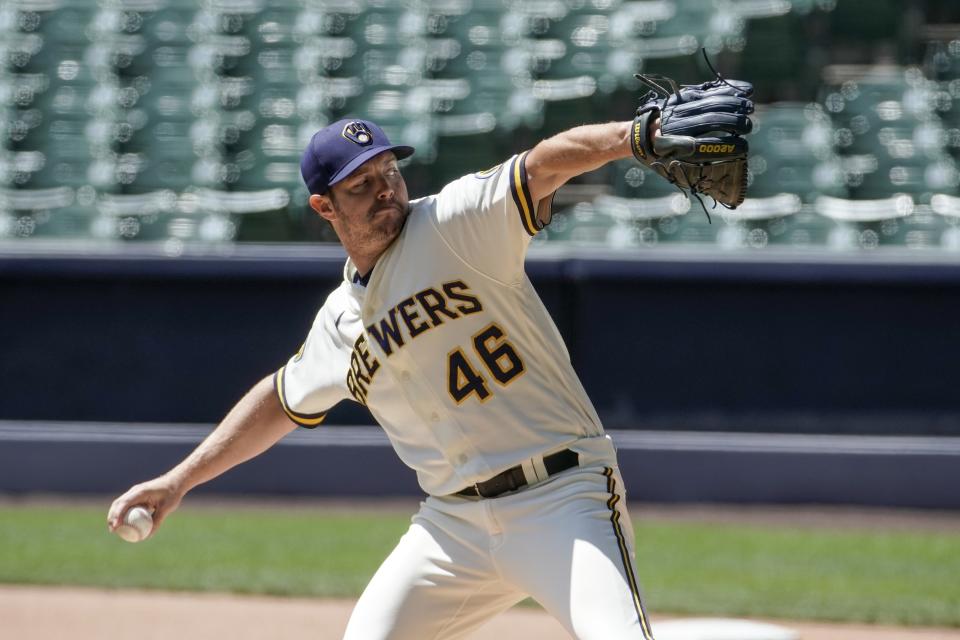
(696, 186)
(695, 190)
(653, 80)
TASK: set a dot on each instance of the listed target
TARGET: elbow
(542, 179)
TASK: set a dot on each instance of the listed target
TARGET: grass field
(866, 575)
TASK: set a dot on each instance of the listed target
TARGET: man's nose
(384, 190)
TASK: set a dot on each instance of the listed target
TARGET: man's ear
(323, 206)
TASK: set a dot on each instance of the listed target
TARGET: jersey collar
(361, 280)
(352, 275)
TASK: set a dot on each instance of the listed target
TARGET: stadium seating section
(180, 121)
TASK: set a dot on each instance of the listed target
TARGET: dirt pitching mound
(52, 613)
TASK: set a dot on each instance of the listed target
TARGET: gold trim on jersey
(486, 173)
(625, 553)
(521, 195)
(304, 420)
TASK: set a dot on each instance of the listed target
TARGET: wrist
(642, 130)
(177, 482)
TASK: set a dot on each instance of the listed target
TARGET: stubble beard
(377, 230)
(385, 227)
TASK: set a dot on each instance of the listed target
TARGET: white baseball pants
(567, 542)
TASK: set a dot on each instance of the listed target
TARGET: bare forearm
(255, 424)
(573, 152)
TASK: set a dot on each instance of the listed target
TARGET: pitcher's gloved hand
(700, 147)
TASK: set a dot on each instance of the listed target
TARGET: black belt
(513, 478)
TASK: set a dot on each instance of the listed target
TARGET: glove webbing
(695, 187)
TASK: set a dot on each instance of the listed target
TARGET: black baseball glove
(700, 147)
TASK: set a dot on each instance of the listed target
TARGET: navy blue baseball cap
(338, 149)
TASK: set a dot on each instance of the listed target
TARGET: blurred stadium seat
(948, 207)
(792, 151)
(108, 103)
(894, 156)
(586, 225)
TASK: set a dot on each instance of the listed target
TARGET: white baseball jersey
(449, 345)
(456, 357)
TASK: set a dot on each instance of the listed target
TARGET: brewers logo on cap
(358, 132)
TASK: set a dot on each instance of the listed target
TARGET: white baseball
(136, 525)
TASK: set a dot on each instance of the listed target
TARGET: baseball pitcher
(436, 328)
